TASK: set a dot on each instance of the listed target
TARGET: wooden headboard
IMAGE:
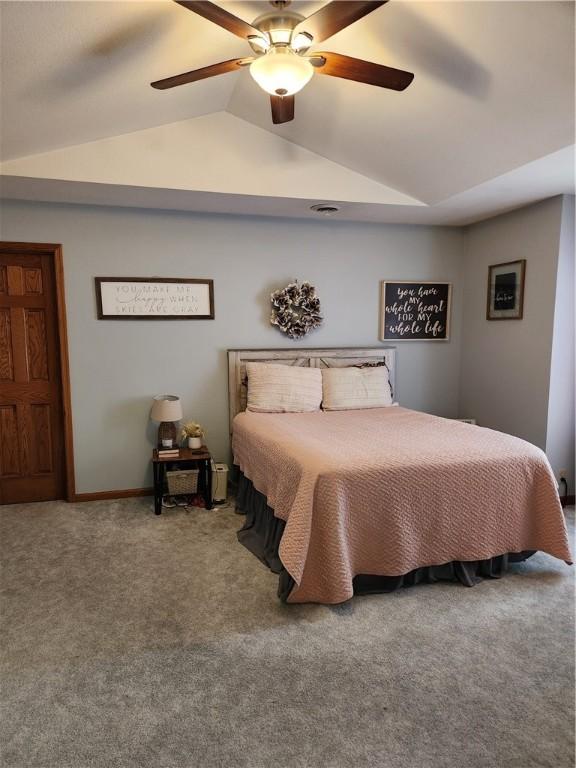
(310, 358)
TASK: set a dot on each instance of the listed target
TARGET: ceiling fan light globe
(301, 42)
(259, 44)
(281, 72)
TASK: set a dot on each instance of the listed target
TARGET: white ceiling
(486, 125)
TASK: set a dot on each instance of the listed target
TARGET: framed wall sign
(415, 311)
(154, 298)
(505, 299)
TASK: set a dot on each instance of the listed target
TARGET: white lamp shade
(281, 71)
(166, 408)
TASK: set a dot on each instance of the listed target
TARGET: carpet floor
(135, 641)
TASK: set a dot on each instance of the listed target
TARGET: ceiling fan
(281, 40)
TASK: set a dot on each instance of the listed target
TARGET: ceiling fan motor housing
(276, 26)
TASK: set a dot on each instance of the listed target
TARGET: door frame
(54, 251)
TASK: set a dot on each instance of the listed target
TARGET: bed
(357, 501)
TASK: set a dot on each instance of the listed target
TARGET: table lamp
(167, 409)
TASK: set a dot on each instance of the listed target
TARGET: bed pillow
(283, 388)
(379, 364)
(349, 388)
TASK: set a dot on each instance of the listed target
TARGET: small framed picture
(505, 299)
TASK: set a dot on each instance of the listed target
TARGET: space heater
(219, 482)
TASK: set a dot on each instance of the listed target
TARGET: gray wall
(506, 364)
(560, 428)
(117, 366)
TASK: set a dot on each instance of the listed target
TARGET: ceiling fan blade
(219, 16)
(350, 68)
(335, 16)
(282, 109)
(199, 74)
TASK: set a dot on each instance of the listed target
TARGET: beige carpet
(132, 641)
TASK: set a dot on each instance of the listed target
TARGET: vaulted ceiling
(487, 124)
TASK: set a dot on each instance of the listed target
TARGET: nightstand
(188, 459)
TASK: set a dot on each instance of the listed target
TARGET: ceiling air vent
(324, 209)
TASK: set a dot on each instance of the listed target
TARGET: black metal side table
(187, 459)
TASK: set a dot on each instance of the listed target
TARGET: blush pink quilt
(387, 490)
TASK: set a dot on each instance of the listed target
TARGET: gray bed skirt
(262, 532)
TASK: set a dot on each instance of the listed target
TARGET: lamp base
(167, 434)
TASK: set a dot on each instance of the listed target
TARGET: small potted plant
(193, 433)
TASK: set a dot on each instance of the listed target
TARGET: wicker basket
(182, 481)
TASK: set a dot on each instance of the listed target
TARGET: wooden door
(32, 460)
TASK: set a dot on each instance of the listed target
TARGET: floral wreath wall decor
(296, 309)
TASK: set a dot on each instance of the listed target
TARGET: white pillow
(283, 388)
(348, 388)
